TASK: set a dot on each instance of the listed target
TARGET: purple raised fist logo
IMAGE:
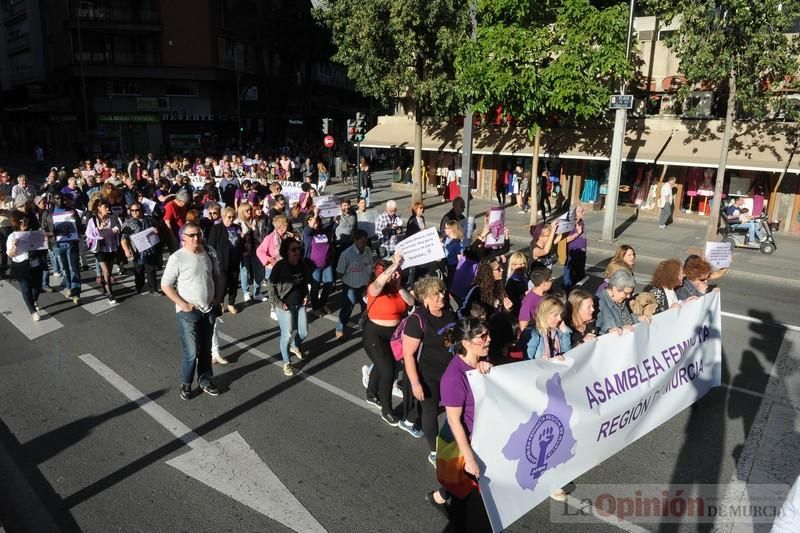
(545, 441)
(541, 445)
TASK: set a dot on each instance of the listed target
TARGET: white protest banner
(540, 424)
(421, 248)
(497, 223)
(566, 222)
(719, 254)
(28, 241)
(64, 227)
(145, 239)
(291, 190)
(328, 205)
(148, 205)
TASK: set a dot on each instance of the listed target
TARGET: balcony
(119, 14)
(13, 11)
(119, 58)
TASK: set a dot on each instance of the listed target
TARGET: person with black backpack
(427, 350)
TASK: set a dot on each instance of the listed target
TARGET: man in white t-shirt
(192, 281)
(666, 202)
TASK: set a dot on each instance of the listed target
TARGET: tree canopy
(721, 37)
(399, 48)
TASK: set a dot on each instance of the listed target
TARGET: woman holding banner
(548, 337)
(457, 467)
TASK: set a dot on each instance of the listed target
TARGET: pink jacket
(268, 251)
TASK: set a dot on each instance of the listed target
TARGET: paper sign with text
(421, 248)
(497, 222)
(719, 254)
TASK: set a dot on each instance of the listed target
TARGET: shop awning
(764, 146)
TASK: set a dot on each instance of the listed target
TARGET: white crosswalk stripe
(14, 310)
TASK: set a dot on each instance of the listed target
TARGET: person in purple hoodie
(575, 269)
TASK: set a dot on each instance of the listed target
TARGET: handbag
(450, 465)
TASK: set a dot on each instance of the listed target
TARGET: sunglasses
(192, 235)
(213, 213)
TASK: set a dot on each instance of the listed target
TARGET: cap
(40, 198)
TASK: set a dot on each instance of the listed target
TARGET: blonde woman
(548, 337)
(517, 284)
(248, 267)
(453, 246)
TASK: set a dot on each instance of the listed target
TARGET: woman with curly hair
(489, 292)
(667, 277)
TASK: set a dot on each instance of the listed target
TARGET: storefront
(761, 166)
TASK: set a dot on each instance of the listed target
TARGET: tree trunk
(416, 193)
(535, 177)
(716, 202)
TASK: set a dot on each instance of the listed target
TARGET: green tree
(400, 50)
(738, 46)
(540, 59)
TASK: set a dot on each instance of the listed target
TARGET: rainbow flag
(450, 465)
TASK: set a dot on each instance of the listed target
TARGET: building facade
(131, 76)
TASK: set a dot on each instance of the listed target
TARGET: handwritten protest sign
(566, 222)
(328, 205)
(496, 237)
(65, 228)
(421, 248)
(144, 240)
(198, 182)
(28, 241)
(719, 254)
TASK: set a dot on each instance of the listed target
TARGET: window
(181, 88)
(123, 87)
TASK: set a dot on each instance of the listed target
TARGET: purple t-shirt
(529, 305)
(454, 391)
(580, 242)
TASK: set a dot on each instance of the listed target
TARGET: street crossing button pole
(620, 102)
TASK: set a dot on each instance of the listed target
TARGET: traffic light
(360, 126)
(326, 124)
(351, 130)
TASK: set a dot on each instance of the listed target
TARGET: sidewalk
(651, 243)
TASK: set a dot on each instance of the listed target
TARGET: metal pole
(466, 151)
(239, 109)
(620, 120)
(358, 169)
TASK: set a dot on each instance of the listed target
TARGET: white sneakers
(247, 297)
(35, 316)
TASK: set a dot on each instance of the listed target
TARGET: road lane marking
(773, 323)
(14, 309)
(178, 429)
(311, 379)
(620, 523)
(228, 465)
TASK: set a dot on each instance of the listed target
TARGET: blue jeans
(321, 276)
(350, 295)
(30, 286)
(251, 273)
(55, 262)
(195, 328)
(294, 328)
(753, 230)
(365, 193)
(66, 253)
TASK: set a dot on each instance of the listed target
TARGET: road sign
(621, 101)
(328, 141)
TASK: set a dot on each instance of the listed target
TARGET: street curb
(737, 274)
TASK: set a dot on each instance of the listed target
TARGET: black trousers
(384, 369)
(231, 283)
(469, 515)
(142, 270)
(430, 407)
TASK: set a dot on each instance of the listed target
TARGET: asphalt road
(76, 454)
(96, 462)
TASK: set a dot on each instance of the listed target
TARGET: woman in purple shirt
(575, 269)
(471, 342)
